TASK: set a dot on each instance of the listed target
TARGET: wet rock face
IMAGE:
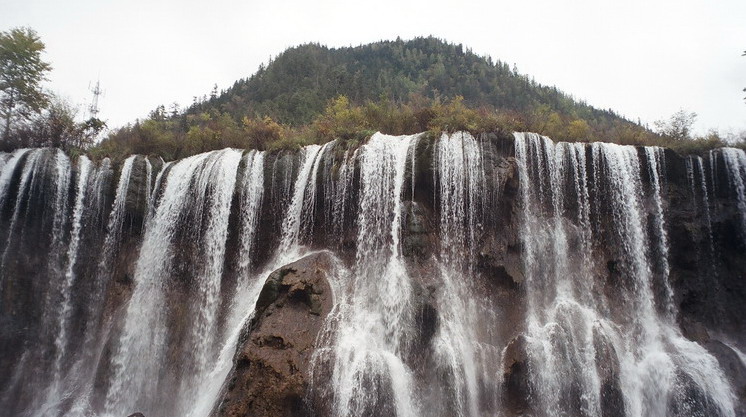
(271, 367)
(517, 385)
(272, 373)
(707, 272)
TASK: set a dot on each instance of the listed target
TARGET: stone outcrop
(270, 376)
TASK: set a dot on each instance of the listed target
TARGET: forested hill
(313, 94)
(296, 86)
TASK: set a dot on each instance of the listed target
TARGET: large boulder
(270, 374)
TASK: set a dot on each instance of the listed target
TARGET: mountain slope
(313, 94)
(296, 85)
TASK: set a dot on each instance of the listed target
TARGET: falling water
(300, 205)
(460, 179)
(62, 184)
(10, 162)
(735, 163)
(109, 250)
(4, 157)
(252, 191)
(155, 194)
(159, 317)
(701, 197)
(116, 218)
(142, 346)
(29, 176)
(306, 222)
(656, 170)
(654, 361)
(561, 315)
(376, 315)
(63, 317)
(340, 196)
(706, 205)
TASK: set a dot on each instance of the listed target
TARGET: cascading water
(29, 178)
(10, 162)
(561, 315)
(697, 179)
(461, 181)
(337, 191)
(300, 205)
(132, 294)
(375, 312)
(656, 167)
(116, 218)
(63, 317)
(635, 350)
(198, 190)
(735, 162)
(252, 191)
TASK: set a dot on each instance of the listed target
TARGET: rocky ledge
(270, 369)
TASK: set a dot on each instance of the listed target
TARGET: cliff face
(461, 275)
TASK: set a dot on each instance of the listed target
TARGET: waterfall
(706, 206)
(561, 314)
(461, 182)
(301, 204)
(198, 191)
(338, 197)
(42, 186)
(735, 163)
(29, 177)
(697, 179)
(654, 361)
(116, 218)
(109, 249)
(656, 170)
(8, 168)
(62, 183)
(63, 317)
(252, 191)
(156, 190)
(369, 370)
(4, 157)
(466, 271)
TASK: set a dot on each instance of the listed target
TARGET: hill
(312, 93)
(296, 86)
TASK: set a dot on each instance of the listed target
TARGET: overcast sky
(642, 58)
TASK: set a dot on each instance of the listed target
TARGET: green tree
(578, 130)
(56, 126)
(22, 71)
(678, 126)
(340, 120)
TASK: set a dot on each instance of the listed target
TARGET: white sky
(642, 58)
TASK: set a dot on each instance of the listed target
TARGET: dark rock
(418, 237)
(270, 376)
(607, 366)
(694, 330)
(734, 369)
(516, 379)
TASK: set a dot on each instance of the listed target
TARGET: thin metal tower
(97, 92)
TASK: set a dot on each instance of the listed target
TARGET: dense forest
(296, 86)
